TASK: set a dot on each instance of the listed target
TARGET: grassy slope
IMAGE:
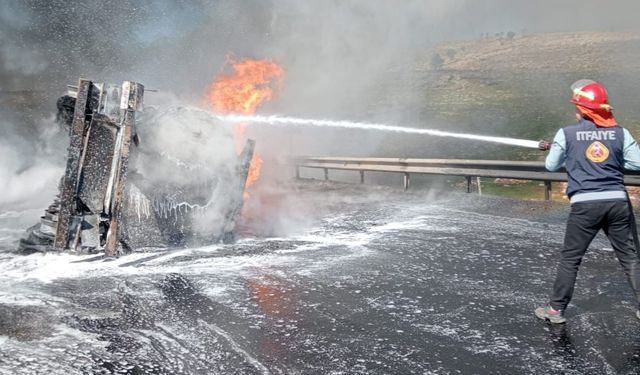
(533, 69)
(515, 87)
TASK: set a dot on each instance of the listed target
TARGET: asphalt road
(372, 281)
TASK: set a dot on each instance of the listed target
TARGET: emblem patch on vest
(597, 152)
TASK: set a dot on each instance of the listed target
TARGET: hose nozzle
(544, 145)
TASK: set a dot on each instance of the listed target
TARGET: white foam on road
(419, 222)
(51, 354)
(49, 267)
(236, 346)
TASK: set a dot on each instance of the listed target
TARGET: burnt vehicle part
(119, 195)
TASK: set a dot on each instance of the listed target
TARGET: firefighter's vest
(595, 160)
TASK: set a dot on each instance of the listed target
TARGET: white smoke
(31, 168)
(195, 156)
(22, 60)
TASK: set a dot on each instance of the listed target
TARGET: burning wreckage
(137, 180)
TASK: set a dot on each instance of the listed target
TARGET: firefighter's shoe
(550, 314)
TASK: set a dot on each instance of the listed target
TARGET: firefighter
(595, 152)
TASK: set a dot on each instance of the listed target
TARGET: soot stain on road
(381, 282)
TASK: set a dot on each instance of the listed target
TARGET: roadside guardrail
(508, 169)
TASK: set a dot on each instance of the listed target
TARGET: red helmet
(590, 94)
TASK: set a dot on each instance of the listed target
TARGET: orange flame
(242, 90)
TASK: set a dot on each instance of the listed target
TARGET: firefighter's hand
(544, 145)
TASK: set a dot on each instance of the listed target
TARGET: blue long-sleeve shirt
(557, 152)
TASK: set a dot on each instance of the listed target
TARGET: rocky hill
(516, 85)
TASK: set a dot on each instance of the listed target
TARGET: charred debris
(108, 204)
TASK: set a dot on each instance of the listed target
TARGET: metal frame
(517, 170)
(90, 100)
(69, 185)
(131, 101)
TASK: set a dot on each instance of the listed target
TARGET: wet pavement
(373, 281)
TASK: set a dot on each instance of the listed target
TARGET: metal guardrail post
(468, 184)
(547, 190)
(407, 181)
(362, 177)
(326, 174)
(297, 172)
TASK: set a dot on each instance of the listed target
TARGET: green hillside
(517, 85)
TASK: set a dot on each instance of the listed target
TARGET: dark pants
(586, 219)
